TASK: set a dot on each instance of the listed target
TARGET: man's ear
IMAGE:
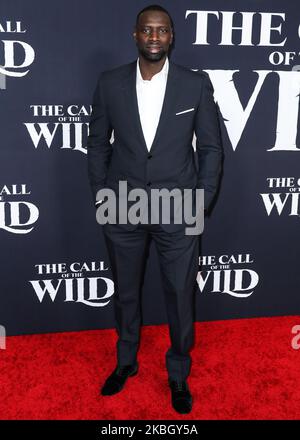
(134, 34)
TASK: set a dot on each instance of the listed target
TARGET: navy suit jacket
(188, 108)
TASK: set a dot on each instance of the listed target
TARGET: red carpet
(242, 369)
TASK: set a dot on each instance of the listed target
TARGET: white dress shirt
(150, 96)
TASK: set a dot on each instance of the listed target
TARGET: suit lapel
(131, 103)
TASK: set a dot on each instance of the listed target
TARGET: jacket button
(149, 184)
(149, 156)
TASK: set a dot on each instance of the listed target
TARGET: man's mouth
(154, 48)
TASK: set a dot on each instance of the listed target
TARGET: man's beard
(157, 56)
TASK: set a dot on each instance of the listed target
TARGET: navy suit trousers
(178, 259)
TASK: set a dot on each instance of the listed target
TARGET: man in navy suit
(154, 107)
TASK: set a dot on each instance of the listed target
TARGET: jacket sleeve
(99, 149)
(209, 148)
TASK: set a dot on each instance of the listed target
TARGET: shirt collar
(162, 74)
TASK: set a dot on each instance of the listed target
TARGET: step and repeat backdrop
(55, 272)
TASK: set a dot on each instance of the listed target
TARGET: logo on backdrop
(59, 126)
(75, 282)
(255, 29)
(227, 274)
(15, 55)
(283, 197)
(17, 215)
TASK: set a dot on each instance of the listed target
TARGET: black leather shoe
(181, 396)
(116, 381)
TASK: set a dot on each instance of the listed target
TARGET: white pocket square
(185, 111)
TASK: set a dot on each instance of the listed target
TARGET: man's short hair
(154, 8)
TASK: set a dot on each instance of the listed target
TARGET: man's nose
(154, 36)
